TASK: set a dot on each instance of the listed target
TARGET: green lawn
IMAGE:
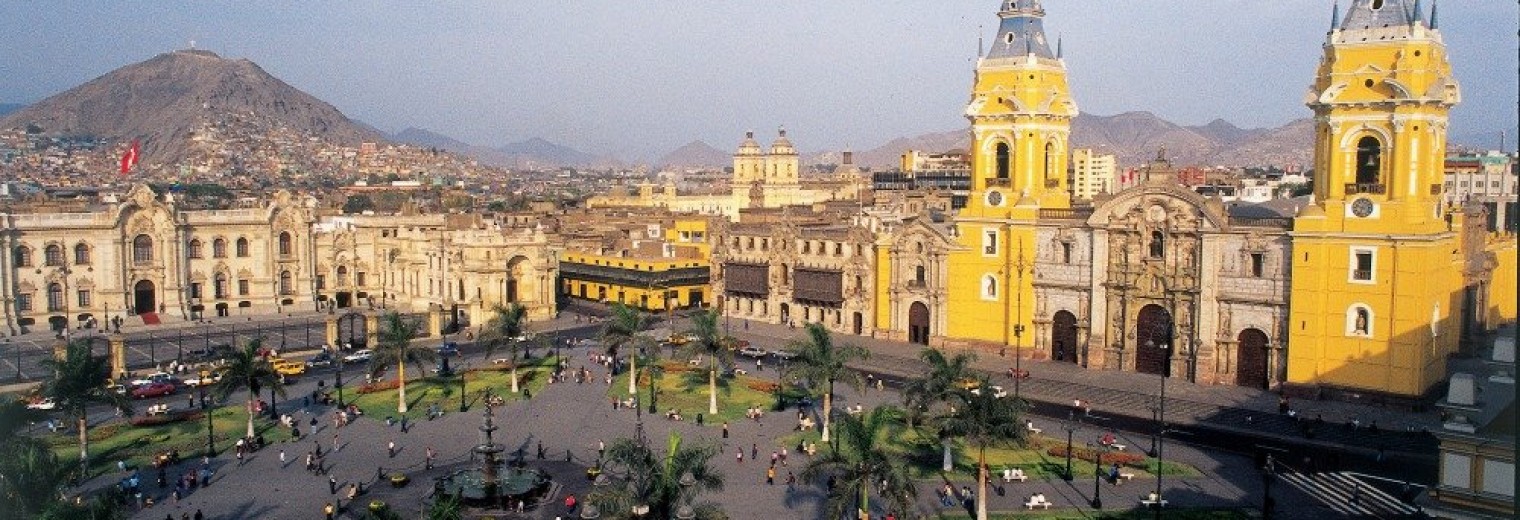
(139, 444)
(923, 452)
(685, 388)
(532, 375)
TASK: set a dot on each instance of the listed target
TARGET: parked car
(152, 390)
(997, 391)
(969, 383)
(784, 355)
(359, 356)
(44, 403)
(322, 359)
(287, 367)
(205, 377)
(156, 377)
(449, 349)
(753, 352)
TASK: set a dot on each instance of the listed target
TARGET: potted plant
(376, 506)
(399, 479)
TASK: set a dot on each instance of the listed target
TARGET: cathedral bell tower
(1374, 280)
(1020, 111)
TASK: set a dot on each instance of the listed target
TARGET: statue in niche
(1360, 326)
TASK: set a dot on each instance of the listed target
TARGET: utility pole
(1019, 266)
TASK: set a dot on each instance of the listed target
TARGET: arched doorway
(345, 300)
(144, 298)
(1251, 359)
(353, 330)
(918, 323)
(1063, 337)
(786, 314)
(860, 323)
(1153, 326)
(517, 269)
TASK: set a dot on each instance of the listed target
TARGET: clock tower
(1375, 255)
(1020, 112)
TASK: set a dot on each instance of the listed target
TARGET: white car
(42, 404)
(198, 380)
(753, 352)
(156, 377)
(359, 356)
(997, 391)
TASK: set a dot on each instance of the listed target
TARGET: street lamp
(338, 376)
(1160, 438)
(1097, 501)
(1072, 424)
(1018, 366)
(1268, 504)
(210, 436)
(463, 370)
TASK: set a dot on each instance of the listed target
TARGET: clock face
(994, 198)
(1361, 208)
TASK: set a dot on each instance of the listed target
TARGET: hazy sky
(640, 78)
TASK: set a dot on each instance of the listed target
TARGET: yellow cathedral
(1376, 277)
(1361, 291)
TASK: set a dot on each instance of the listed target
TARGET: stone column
(435, 320)
(332, 330)
(371, 330)
(118, 354)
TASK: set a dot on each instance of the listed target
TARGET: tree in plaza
(665, 483)
(444, 507)
(395, 346)
(505, 331)
(984, 420)
(710, 342)
(622, 330)
(940, 385)
(247, 370)
(79, 382)
(819, 360)
(30, 476)
(860, 464)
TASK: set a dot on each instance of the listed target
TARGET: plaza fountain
(490, 486)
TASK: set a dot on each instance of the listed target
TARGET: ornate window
(1050, 165)
(990, 242)
(286, 247)
(219, 248)
(24, 302)
(989, 287)
(1158, 244)
(287, 287)
(920, 275)
(142, 250)
(1359, 321)
(23, 256)
(81, 254)
(84, 298)
(1065, 252)
(52, 255)
(195, 248)
(242, 287)
(1003, 161)
(1369, 159)
(1258, 264)
(55, 297)
(242, 248)
(343, 276)
(219, 287)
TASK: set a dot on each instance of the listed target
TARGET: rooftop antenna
(979, 52)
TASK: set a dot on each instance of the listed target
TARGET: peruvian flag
(129, 160)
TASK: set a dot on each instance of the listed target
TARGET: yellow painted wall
(1501, 290)
(632, 295)
(881, 295)
(1415, 291)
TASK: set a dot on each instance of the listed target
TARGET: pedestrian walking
(428, 458)
(601, 449)
(282, 458)
(336, 446)
(770, 476)
(332, 485)
(791, 481)
(783, 456)
(199, 515)
(390, 448)
(739, 456)
(725, 429)
(775, 457)
(754, 451)
(540, 450)
(328, 511)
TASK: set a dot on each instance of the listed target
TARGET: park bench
(1037, 500)
(1032, 429)
(1152, 501)
(1012, 474)
(158, 409)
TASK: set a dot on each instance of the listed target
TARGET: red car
(152, 390)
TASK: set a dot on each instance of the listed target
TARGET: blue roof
(1372, 14)
(1022, 31)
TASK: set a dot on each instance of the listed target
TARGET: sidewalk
(1132, 394)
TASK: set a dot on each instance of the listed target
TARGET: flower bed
(166, 418)
(369, 388)
(1090, 455)
(763, 386)
(399, 479)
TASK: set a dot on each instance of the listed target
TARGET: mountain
(7, 108)
(164, 101)
(1136, 138)
(696, 154)
(537, 152)
(430, 139)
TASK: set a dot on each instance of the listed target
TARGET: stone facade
(807, 268)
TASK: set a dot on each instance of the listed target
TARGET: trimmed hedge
(167, 418)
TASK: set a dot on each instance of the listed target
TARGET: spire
(1060, 53)
(1433, 5)
(1418, 17)
(1335, 16)
(1021, 31)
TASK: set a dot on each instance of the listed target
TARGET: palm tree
(622, 330)
(711, 343)
(939, 386)
(663, 483)
(30, 475)
(819, 360)
(247, 370)
(444, 507)
(503, 331)
(395, 346)
(860, 463)
(984, 420)
(79, 381)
